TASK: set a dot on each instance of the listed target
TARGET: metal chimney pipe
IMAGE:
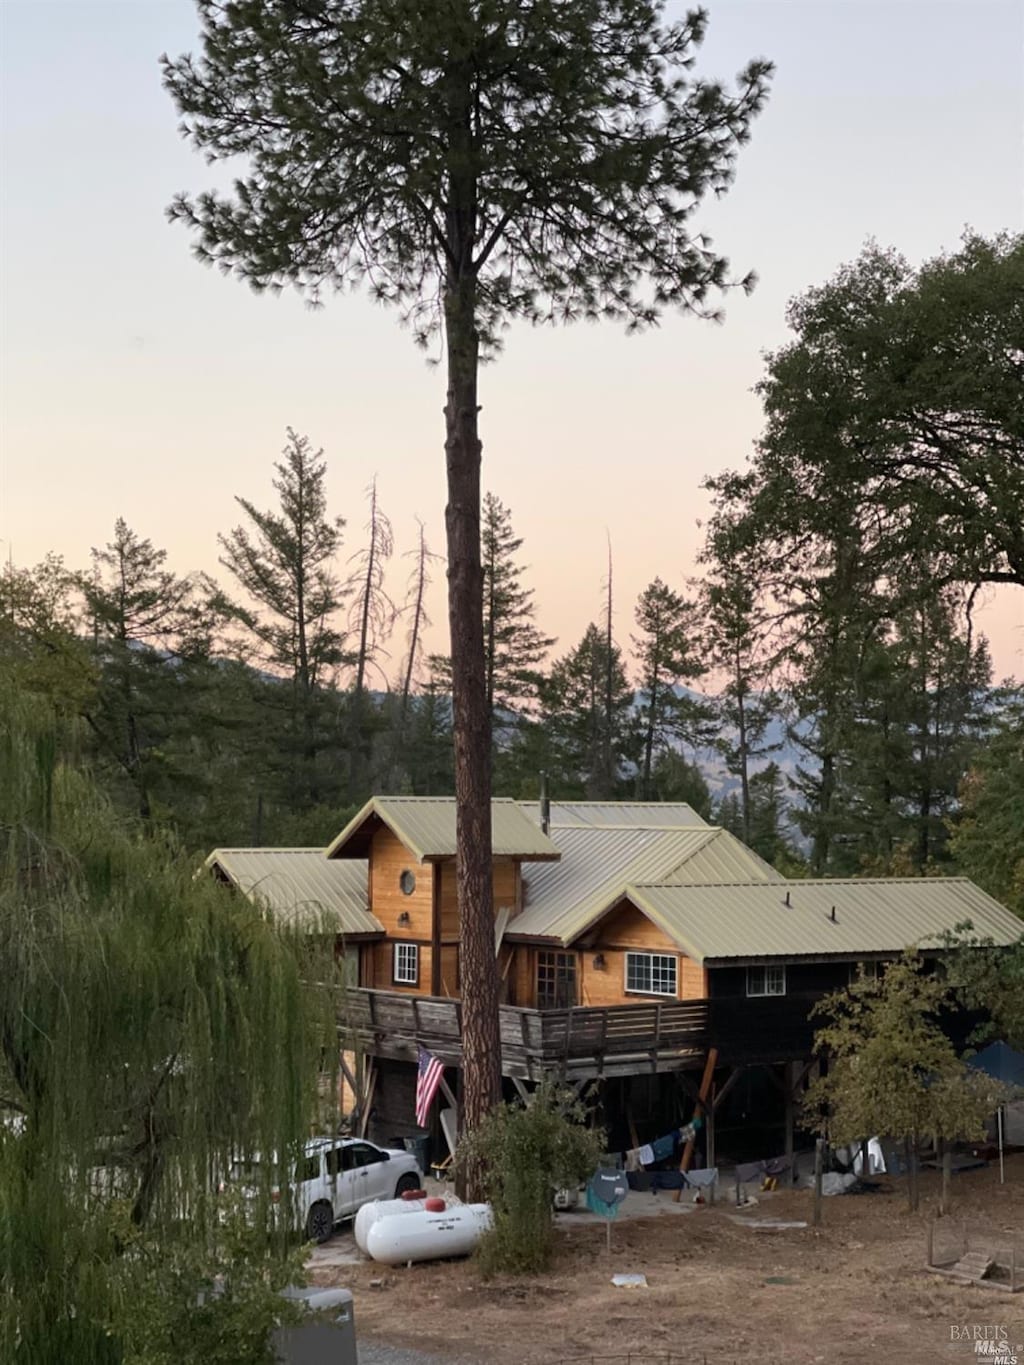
(545, 804)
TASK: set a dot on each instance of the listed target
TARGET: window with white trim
(767, 980)
(651, 973)
(406, 968)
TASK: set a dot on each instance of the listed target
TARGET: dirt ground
(854, 1290)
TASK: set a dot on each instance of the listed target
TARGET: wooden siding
(506, 884)
(450, 970)
(389, 858)
(381, 959)
(624, 931)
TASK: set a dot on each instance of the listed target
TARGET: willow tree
(151, 1028)
(472, 162)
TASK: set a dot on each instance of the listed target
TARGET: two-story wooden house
(632, 939)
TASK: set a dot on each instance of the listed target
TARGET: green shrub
(526, 1153)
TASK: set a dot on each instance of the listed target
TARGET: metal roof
(725, 922)
(563, 899)
(300, 886)
(426, 826)
(617, 814)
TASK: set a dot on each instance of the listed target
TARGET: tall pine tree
(147, 624)
(514, 647)
(473, 164)
(668, 658)
(285, 561)
(580, 731)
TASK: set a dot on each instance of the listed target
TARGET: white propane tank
(397, 1238)
(379, 1208)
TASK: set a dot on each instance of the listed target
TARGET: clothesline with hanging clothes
(661, 1148)
(767, 1171)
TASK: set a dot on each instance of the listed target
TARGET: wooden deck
(616, 1040)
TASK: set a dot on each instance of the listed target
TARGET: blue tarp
(1001, 1062)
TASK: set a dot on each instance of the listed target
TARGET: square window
(406, 969)
(651, 973)
(769, 980)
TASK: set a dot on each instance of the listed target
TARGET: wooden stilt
(703, 1096)
(448, 1093)
(791, 1178)
(367, 1100)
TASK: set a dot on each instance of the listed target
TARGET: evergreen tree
(745, 705)
(284, 561)
(575, 719)
(427, 755)
(918, 715)
(769, 820)
(835, 615)
(675, 779)
(147, 626)
(513, 645)
(545, 164)
(667, 658)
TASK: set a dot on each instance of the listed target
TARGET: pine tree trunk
(481, 1044)
(414, 640)
(741, 717)
(652, 720)
(609, 779)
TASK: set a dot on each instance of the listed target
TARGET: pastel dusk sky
(138, 384)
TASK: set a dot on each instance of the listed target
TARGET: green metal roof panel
(617, 814)
(426, 826)
(563, 899)
(723, 922)
(300, 886)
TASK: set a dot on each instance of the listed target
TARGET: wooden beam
(703, 1094)
(521, 1090)
(346, 1071)
(367, 1100)
(723, 1090)
(447, 1092)
(779, 1084)
(692, 1091)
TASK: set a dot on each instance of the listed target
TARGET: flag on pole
(428, 1078)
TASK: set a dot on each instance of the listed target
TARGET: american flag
(428, 1078)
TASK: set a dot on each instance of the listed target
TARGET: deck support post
(788, 1072)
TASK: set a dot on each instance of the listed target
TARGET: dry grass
(854, 1290)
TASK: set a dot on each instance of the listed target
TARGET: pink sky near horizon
(137, 384)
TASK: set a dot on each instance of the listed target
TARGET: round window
(407, 882)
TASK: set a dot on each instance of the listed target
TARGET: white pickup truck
(335, 1176)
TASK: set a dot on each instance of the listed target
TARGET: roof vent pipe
(787, 899)
(832, 916)
(545, 804)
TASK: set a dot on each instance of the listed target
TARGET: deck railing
(587, 1040)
